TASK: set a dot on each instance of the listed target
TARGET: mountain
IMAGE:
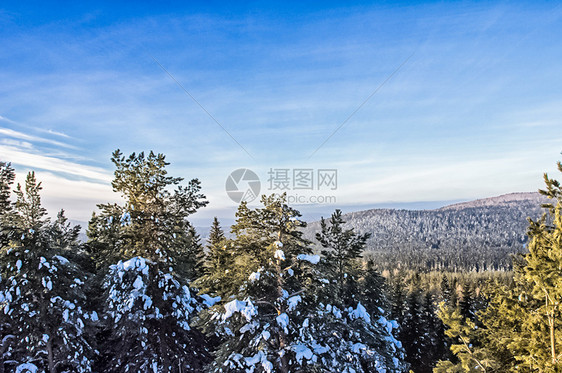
(475, 235)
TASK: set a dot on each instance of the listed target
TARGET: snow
(138, 284)
(136, 263)
(290, 272)
(62, 259)
(210, 301)
(278, 244)
(94, 316)
(125, 219)
(134, 300)
(26, 368)
(357, 347)
(246, 308)
(279, 254)
(313, 259)
(47, 283)
(18, 264)
(43, 263)
(283, 320)
(336, 312)
(293, 302)
(255, 276)
(302, 352)
(258, 358)
(360, 313)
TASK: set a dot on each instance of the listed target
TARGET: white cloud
(37, 161)
(22, 136)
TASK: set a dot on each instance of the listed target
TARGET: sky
(413, 104)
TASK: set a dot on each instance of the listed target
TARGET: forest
(144, 293)
(474, 236)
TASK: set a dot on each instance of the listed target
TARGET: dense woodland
(468, 236)
(145, 294)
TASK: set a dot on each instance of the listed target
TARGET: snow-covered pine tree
(263, 322)
(42, 300)
(369, 333)
(148, 303)
(274, 322)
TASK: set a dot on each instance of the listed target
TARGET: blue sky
(474, 110)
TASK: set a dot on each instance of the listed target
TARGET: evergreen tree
(374, 289)
(432, 343)
(275, 322)
(7, 176)
(41, 292)
(148, 303)
(267, 281)
(216, 234)
(341, 267)
(342, 253)
(521, 326)
(411, 332)
(398, 297)
(191, 256)
(472, 356)
(217, 264)
(465, 303)
(445, 289)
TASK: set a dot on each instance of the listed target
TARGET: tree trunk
(552, 339)
(550, 316)
(50, 355)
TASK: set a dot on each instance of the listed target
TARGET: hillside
(475, 235)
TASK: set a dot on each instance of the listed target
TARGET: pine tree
(191, 256)
(349, 288)
(259, 325)
(465, 303)
(217, 264)
(472, 356)
(445, 289)
(342, 252)
(148, 302)
(42, 291)
(7, 176)
(520, 329)
(411, 332)
(432, 343)
(274, 321)
(216, 234)
(373, 289)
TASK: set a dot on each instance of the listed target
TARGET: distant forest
(476, 236)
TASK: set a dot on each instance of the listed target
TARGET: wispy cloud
(22, 136)
(52, 164)
(4, 119)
